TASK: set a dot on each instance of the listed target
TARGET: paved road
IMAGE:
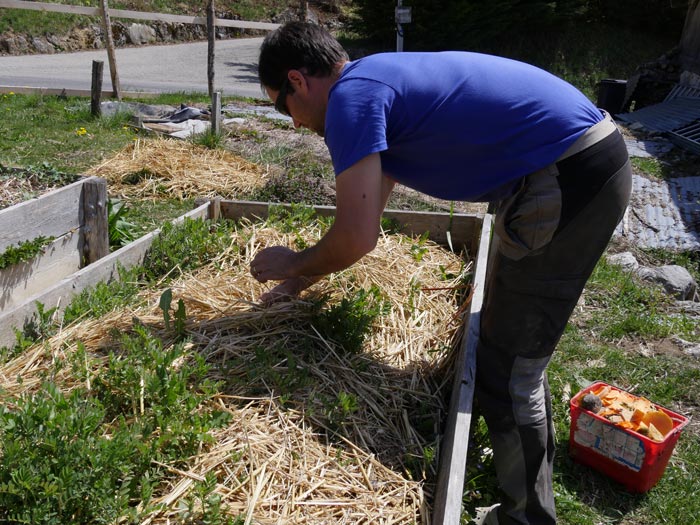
(162, 69)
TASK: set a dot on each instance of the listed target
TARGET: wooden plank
(94, 220)
(30, 90)
(447, 507)
(136, 15)
(106, 269)
(23, 280)
(50, 215)
(463, 228)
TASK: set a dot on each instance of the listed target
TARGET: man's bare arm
(361, 194)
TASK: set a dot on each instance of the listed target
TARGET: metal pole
(399, 32)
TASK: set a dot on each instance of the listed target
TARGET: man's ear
(297, 80)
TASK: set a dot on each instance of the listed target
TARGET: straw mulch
(150, 168)
(283, 458)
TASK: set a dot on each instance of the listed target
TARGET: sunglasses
(281, 100)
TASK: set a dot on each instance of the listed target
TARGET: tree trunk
(690, 40)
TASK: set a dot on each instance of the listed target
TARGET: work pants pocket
(527, 220)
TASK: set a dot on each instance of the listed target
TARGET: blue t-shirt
(454, 125)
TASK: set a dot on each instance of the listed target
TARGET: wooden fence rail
(137, 15)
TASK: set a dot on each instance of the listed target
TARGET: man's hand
(287, 290)
(361, 194)
(274, 263)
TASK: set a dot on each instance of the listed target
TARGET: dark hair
(297, 45)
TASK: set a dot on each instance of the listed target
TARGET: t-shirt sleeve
(356, 121)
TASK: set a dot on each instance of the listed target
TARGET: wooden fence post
(93, 211)
(211, 39)
(97, 68)
(109, 44)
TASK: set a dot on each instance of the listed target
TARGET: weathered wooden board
(138, 15)
(462, 229)
(447, 507)
(51, 215)
(106, 269)
(23, 280)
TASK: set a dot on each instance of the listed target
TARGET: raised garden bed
(277, 477)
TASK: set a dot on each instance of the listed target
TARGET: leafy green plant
(43, 174)
(349, 322)
(87, 457)
(293, 217)
(58, 467)
(418, 248)
(184, 246)
(341, 408)
(179, 315)
(104, 297)
(24, 251)
(121, 231)
(204, 506)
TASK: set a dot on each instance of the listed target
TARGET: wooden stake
(215, 117)
(96, 93)
(211, 38)
(109, 44)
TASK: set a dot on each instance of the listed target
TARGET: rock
(14, 45)
(83, 38)
(688, 347)
(625, 260)
(42, 45)
(591, 402)
(141, 34)
(675, 279)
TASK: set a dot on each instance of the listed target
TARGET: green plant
(41, 325)
(121, 231)
(104, 296)
(179, 315)
(24, 251)
(87, 457)
(58, 467)
(348, 322)
(204, 506)
(43, 174)
(341, 408)
(648, 166)
(184, 246)
(209, 139)
(418, 248)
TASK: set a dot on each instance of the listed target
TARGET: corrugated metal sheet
(665, 116)
(678, 115)
(688, 137)
(683, 91)
(663, 214)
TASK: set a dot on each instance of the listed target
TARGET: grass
(602, 343)
(38, 128)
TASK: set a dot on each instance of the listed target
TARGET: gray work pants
(550, 235)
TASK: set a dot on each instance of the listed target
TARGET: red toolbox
(628, 457)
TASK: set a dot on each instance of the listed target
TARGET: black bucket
(611, 95)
